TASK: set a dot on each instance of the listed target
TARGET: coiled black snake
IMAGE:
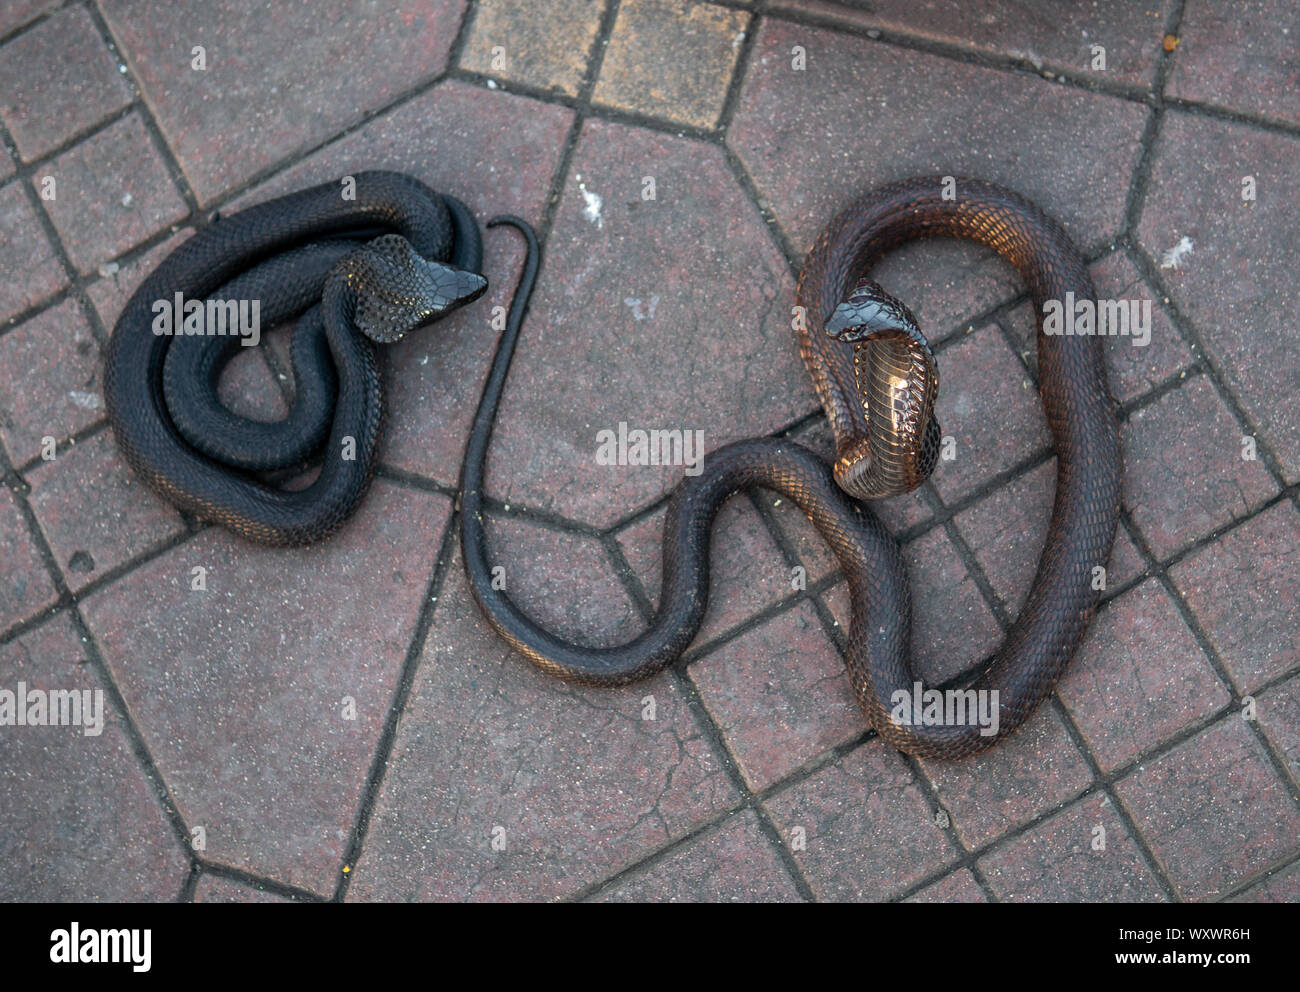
(366, 255)
(876, 381)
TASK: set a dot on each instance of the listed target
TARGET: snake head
(894, 445)
(398, 290)
(869, 312)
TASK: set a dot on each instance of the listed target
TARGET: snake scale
(398, 255)
(876, 380)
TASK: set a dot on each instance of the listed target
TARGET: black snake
(368, 260)
(876, 379)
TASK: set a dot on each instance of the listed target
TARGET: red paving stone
(960, 886)
(671, 312)
(780, 695)
(1133, 368)
(866, 829)
(1184, 474)
(58, 79)
(275, 82)
(49, 381)
(927, 115)
(112, 192)
(1008, 530)
(94, 512)
(26, 254)
(734, 862)
(496, 152)
(1241, 58)
(561, 580)
(747, 572)
(1213, 810)
(946, 284)
(1084, 853)
(634, 321)
(953, 627)
(1025, 776)
(80, 819)
(1282, 887)
(1140, 677)
(990, 409)
(213, 888)
(1046, 36)
(1236, 287)
(25, 586)
(1249, 572)
(19, 12)
(1278, 712)
(240, 690)
(579, 784)
(113, 289)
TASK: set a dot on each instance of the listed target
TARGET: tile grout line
(382, 750)
(65, 599)
(34, 20)
(1074, 78)
(970, 561)
(1217, 665)
(1195, 341)
(134, 738)
(677, 671)
(1126, 818)
(249, 880)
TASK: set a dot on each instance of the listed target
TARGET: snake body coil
(874, 376)
(372, 259)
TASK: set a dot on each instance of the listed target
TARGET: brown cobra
(876, 379)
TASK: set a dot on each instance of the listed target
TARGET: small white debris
(1172, 259)
(636, 304)
(108, 269)
(126, 200)
(1029, 55)
(593, 202)
(492, 84)
(87, 401)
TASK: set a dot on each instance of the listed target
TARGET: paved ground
(338, 722)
